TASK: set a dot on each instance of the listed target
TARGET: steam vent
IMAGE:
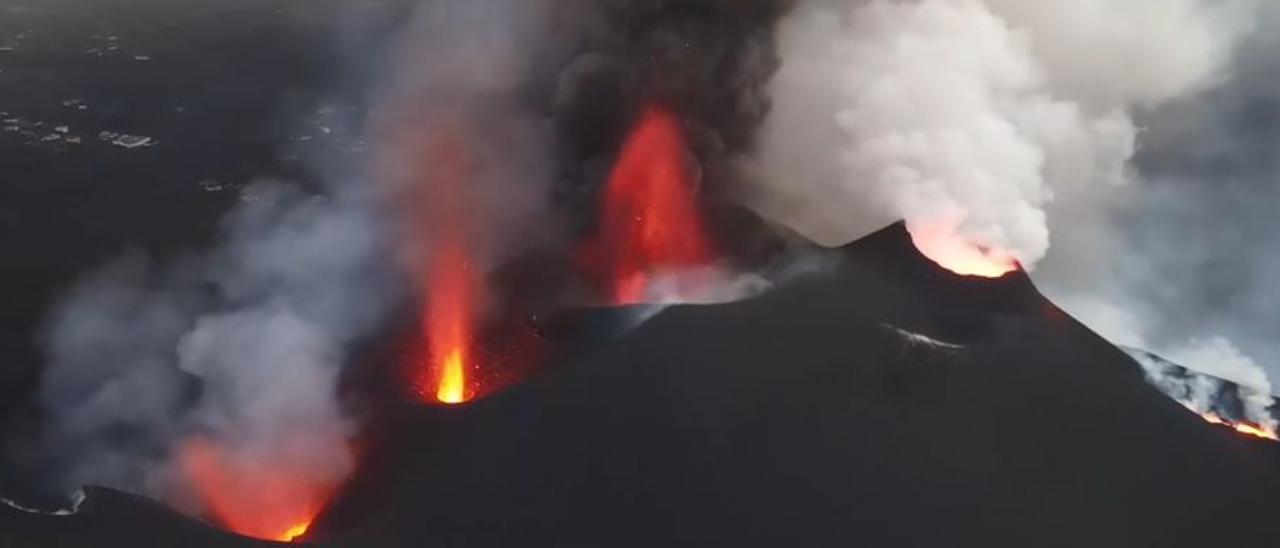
(883, 402)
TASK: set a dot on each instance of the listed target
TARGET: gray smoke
(461, 151)
(242, 345)
(1200, 256)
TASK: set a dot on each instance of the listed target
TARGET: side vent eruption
(650, 224)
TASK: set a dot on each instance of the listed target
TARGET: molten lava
(1246, 428)
(295, 532)
(649, 214)
(256, 497)
(952, 252)
(452, 387)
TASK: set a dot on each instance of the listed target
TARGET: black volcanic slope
(880, 402)
(820, 415)
(112, 518)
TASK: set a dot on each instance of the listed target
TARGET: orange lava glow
(266, 500)
(950, 251)
(649, 212)
(1246, 428)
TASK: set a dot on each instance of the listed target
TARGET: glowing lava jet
(945, 247)
(262, 498)
(449, 317)
(650, 222)
(442, 210)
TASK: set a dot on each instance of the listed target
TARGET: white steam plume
(998, 129)
(968, 118)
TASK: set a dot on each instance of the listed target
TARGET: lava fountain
(442, 214)
(447, 324)
(650, 221)
(270, 498)
(942, 245)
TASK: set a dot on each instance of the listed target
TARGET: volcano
(880, 401)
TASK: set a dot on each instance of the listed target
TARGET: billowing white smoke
(1000, 130)
(968, 118)
(917, 111)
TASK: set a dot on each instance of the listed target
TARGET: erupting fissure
(1246, 428)
(649, 218)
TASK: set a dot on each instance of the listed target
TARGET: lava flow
(252, 497)
(1246, 428)
(650, 221)
(944, 247)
